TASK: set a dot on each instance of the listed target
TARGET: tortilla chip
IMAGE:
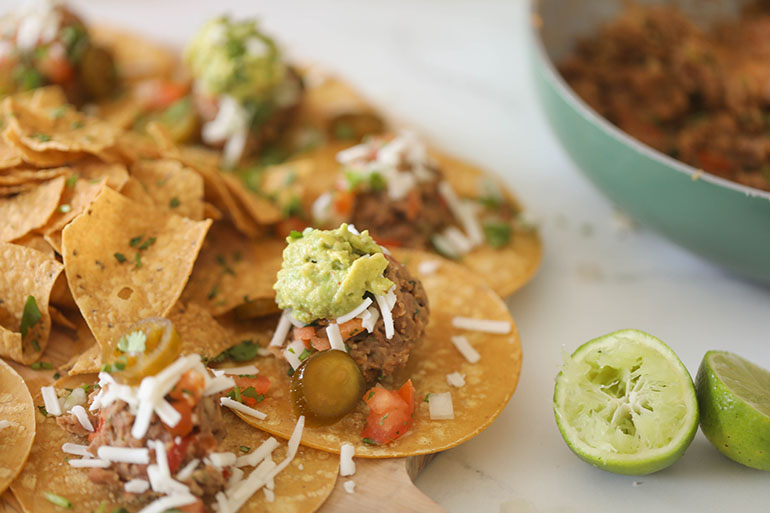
(199, 331)
(261, 209)
(35, 241)
(233, 270)
(20, 175)
(43, 159)
(296, 491)
(15, 440)
(211, 212)
(145, 280)
(134, 146)
(505, 269)
(135, 191)
(12, 190)
(43, 98)
(26, 272)
(58, 318)
(172, 187)
(120, 112)
(452, 290)
(9, 156)
(66, 131)
(29, 210)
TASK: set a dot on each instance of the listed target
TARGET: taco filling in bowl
(244, 91)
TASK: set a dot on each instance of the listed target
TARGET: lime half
(734, 400)
(625, 403)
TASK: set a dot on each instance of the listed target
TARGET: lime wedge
(625, 403)
(734, 400)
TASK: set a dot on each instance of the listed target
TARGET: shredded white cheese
(137, 486)
(218, 384)
(427, 267)
(222, 459)
(355, 312)
(169, 502)
(51, 401)
(80, 413)
(369, 318)
(349, 486)
(483, 325)
(255, 457)
(465, 348)
(235, 405)
(335, 337)
(4, 424)
(138, 455)
(292, 353)
(188, 469)
(76, 397)
(282, 330)
(441, 406)
(347, 465)
(269, 494)
(242, 370)
(76, 449)
(89, 463)
(387, 318)
(455, 379)
(458, 240)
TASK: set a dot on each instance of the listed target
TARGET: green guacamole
(325, 273)
(236, 59)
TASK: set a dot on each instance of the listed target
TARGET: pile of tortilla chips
(102, 226)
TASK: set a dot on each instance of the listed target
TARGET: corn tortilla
(15, 440)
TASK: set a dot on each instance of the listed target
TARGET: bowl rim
(586, 111)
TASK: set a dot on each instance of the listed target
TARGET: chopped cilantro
(260, 398)
(343, 131)
(64, 208)
(222, 261)
(353, 178)
(41, 366)
(120, 257)
(237, 256)
(497, 233)
(72, 180)
(383, 419)
(58, 112)
(369, 441)
(427, 398)
(292, 208)
(120, 364)
(138, 260)
(250, 392)
(235, 394)
(41, 137)
(294, 234)
(134, 242)
(106, 367)
(174, 202)
(246, 350)
(305, 354)
(377, 182)
(133, 342)
(43, 410)
(101, 508)
(213, 292)
(57, 500)
(245, 449)
(77, 124)
(371, 394)
(120, 510)
(30, 316)
(35, 345)
(149, 242)
(56, 375)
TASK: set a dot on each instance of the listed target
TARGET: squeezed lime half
(734, 400)
(625, 403)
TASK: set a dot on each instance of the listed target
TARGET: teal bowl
(722, 221)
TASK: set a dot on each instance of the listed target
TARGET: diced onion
(441, 406)
(235, 405)
(465, 348)
(335, 337)
(347, 465)
(51, 401)
(484, 325)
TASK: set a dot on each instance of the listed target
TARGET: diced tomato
(176, 453)
(343, 202)
(185, 424)
(189, 388)
(195, 507)
(413, 204)
(285, 226)
(259, 383)
(56, 68)
(99, 427)
(391, 243)
(351, 328)
(304, 333)
(390, 413)
(308, 335)
(160, 94)
(320, 343)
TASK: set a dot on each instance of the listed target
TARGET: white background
(458, 72)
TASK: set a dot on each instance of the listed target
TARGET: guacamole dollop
(236, 59)
(325, 273)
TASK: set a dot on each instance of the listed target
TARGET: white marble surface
(458, 72)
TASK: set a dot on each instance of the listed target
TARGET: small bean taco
(368, 350)
(406, 197)
(149, 434)
(17, 424)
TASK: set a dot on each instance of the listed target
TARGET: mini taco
(17, 424)
(406, 198)
(44, 43)
(149, 434)
(365, 341)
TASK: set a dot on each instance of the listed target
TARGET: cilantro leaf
(133, 342)
(30, 317)
(246, 350)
